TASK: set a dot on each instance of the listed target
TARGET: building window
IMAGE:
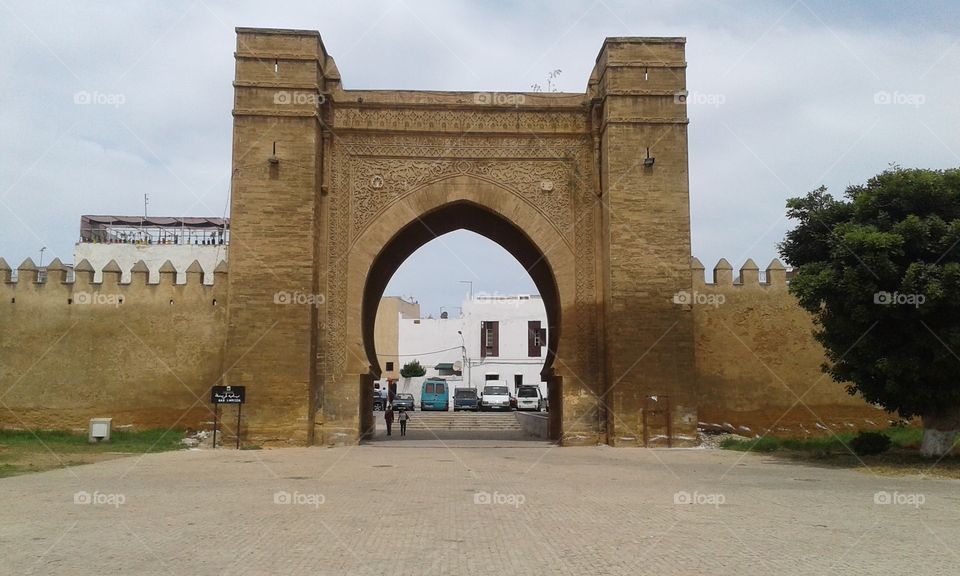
(517, 381)
(389, 366)
(536, 339)
(489, 339)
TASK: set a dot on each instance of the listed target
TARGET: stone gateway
(333, 188)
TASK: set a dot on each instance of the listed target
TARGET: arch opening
(478, 219)
(460, 215)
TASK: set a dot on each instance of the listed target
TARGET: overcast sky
(784, 98)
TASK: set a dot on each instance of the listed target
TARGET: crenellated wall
(143, 354)
(146, 354)
(758, 364)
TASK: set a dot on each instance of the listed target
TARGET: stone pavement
(428, 508)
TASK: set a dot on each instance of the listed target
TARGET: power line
(419, 353)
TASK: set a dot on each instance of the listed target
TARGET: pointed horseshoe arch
(469, 203)
(460, 215)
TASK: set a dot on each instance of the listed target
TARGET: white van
(529, 398)
(495, 396)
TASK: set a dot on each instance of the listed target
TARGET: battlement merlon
(53, 280)
(749, 274)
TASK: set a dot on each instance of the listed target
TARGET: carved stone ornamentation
(372, 193)
(371, 171)
(462, 121)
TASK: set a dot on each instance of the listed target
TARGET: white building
(129, 239)
(496, 337)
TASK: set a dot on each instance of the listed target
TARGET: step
(464, 421)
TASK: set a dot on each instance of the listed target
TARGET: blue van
(435, 395)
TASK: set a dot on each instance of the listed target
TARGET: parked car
(529, 398)
(379, 399)
(465, 399)
(403, 402)
(495, 397)
(435, 395)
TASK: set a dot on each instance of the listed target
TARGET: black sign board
(228, 394)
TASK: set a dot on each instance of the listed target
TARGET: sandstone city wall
(758, 364)
(143, 354)
(70, 351)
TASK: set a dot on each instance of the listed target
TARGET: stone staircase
(479, 421)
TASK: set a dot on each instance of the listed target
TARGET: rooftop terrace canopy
(154, 230)
(89, 221)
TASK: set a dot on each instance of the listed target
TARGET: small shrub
(870, 443)
(412, 369)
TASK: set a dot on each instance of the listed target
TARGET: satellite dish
(457, 366)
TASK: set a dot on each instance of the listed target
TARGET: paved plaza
(474, 507)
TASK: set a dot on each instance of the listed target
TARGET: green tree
(880, 273)
(412, 369)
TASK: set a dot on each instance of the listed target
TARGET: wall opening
(459, 342)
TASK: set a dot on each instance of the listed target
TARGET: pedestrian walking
(388, 416)
(404, 417)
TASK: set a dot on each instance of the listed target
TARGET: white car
(529, 398)
(495, 397)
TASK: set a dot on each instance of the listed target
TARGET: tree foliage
(412, 369)
(880, 272)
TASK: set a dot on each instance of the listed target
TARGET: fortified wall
(758, 364)
(143, 354)
(146, 354)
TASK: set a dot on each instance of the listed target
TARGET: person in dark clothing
(404, 417)
(388, 416)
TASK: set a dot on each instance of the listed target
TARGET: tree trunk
(940, 429)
